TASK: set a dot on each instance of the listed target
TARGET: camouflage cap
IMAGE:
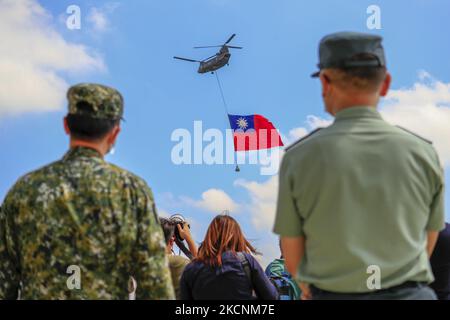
(95, 100)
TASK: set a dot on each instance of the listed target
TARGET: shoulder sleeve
(288, 222)
(150, 264)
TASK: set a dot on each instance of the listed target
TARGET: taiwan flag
(253, 132)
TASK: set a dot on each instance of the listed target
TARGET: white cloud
(98, 17)
(315, 122)
(424, 75)
(262, 203)
(295, 134)
(312, 122)
(269, 249)
(214, 201)
(424, 109)
(261, 207)
(32, 57)
(163, 213)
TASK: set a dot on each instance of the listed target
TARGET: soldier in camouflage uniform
(82, 211)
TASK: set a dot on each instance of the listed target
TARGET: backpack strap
(247, 269)
(243, 260)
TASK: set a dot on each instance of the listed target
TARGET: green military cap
(95, 100)
(338, 50)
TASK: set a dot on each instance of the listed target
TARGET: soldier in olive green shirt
(361, 195)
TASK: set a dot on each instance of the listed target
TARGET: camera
(174, 221)
(178, 219)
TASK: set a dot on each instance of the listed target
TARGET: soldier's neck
(98, 146)
(353, 101)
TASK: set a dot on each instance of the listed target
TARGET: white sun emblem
(242, 123)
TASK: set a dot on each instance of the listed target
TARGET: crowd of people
(225, 266)
(360, 210)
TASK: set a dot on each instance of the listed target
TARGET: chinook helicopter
(216, 61)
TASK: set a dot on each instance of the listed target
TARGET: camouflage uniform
(85, 212)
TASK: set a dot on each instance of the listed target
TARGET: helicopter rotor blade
(185, 59)
(208, 47)
(234, 47)
(218, 46)
(231, 38)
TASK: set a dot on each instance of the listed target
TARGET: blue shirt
(228, 282)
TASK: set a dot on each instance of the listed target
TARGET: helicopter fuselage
(216, 62)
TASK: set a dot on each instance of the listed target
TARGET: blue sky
(270, 76)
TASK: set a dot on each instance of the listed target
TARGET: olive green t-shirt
(177, 265)
(363, 193)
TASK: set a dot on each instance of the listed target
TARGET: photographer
(176, 230)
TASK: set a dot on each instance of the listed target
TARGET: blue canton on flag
(241, 123)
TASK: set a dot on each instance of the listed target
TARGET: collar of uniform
(77, 152)
(358, 112)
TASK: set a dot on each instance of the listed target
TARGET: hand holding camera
(184, 231)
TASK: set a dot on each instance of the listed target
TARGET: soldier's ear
(113, 135)
(325, 81)
(66, 126)
(385, 85)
